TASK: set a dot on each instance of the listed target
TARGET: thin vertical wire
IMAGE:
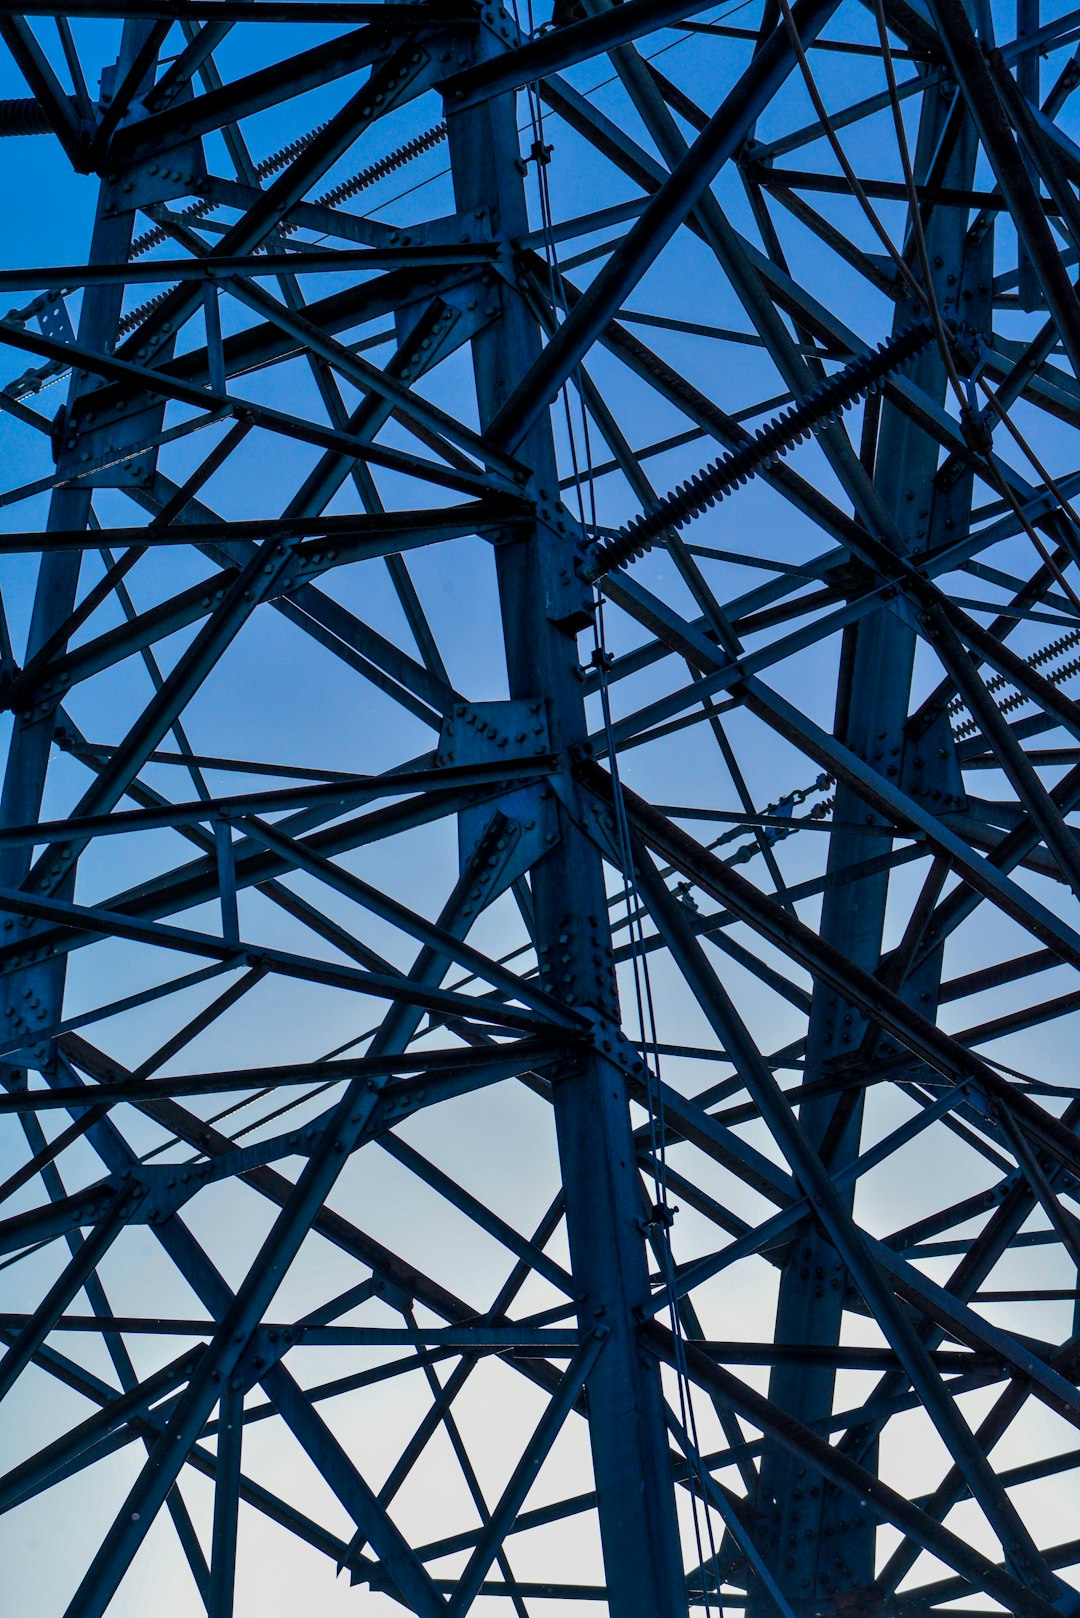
(635, 910)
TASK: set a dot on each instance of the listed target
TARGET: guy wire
(635, 910)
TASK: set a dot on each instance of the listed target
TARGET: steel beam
(700, 892)
(626, 1428)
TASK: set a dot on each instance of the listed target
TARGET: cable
(975, 427)
(914, 209)
(852, 178)
(662, 1214)
(199, 210)
(971, 727)
(601, 84)
(1047, 654)
(46, 376)
(1004, 416)
(24, 115)
(394, 160)
(351, 187)
(821, 405)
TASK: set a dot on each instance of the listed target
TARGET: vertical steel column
(631, 1456)
(30, 998)
(1027, 80)
(816, 1542)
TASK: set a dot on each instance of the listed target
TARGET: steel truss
(536, 1006)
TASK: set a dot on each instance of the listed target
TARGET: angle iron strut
(820, 406)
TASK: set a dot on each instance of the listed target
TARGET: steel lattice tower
(538, 887)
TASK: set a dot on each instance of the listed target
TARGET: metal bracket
(493, 733)
(159, 176)
(928, 768)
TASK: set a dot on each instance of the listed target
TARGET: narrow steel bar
(626, 1429)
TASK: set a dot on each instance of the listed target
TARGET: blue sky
(277, 697)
